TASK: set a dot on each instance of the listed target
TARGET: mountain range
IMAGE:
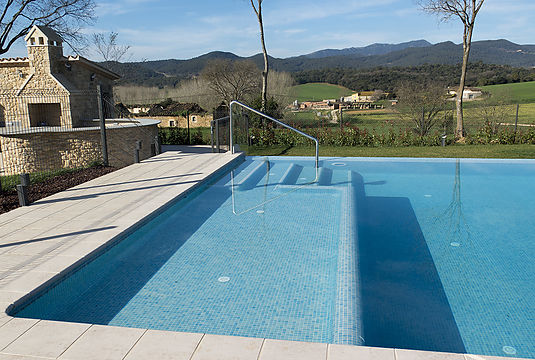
(413, 53)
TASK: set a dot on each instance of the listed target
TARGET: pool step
(254, 176)
(291, 175)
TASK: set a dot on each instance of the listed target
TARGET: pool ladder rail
(239, 104)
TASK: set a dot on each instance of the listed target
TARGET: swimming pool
(419, 254)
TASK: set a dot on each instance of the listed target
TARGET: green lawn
(513, 93)
(319, 91)
(453, 151)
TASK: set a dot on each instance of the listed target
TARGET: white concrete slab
(18, 357)
(218, 347)
(426, 355)
(165, 345)
(103, 343)
(346, 352)
(14, 328)
(292, 350)
(46, 339)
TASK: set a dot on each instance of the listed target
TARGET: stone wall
(47, 151)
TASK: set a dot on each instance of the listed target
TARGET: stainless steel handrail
(274, 120)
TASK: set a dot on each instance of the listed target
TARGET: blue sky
(163, 29)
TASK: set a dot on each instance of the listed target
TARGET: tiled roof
(175, 109)
(14, 60)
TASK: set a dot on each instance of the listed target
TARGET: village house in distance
(49, 89)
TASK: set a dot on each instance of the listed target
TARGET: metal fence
(220, 131)
(48, 133)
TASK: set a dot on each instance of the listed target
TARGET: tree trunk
(467, 42)
(266, 63)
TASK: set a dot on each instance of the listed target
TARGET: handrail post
(231, 137)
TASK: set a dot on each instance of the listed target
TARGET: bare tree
(420, 104)
(107, 47)
(280, 86)
(466, 11)
(66, 17)
(258, 11)
(232, 80)
(494, 113)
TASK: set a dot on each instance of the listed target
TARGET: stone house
(49, 89)
(176, 114)
(470, 93)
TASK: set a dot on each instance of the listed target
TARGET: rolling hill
(501, 52)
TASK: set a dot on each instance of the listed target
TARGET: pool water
(418, 254)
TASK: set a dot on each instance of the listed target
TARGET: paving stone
(103, 342)
(292, 350)
(14, 328)
(426, 355)
(347, 352)
(165, 345)
(218, 347)
(46, 339)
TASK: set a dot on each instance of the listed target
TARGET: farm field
(383, 120)
(318, 92)
(518, 93)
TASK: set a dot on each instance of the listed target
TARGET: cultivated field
(501, 106)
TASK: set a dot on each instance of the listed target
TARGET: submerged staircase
(263, 182)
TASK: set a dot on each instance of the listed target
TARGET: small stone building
(50, 89)
(176, 114)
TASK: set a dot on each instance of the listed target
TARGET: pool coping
(23, 338)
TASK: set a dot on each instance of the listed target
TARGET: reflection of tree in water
(455, 224)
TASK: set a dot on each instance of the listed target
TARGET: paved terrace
(46, 239)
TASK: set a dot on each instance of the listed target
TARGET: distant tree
(493, 113)
(466, 11)
(106, 46)
(280, 87)
(258, 11)
(17, 17)
(420, 104)
(232, 80)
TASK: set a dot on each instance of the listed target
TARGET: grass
(518, 93)
(319, 91)
(454, 151)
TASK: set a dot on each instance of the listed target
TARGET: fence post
(25, 179)
(157, 145)
(516, 121)
(136, 151)
(248, 131)
(22, 190)
(103, 139)
(217, 136)
(212, 135)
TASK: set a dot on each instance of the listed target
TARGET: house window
(41, 41)
(32, 41)
(171, 123)
(194, 119)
